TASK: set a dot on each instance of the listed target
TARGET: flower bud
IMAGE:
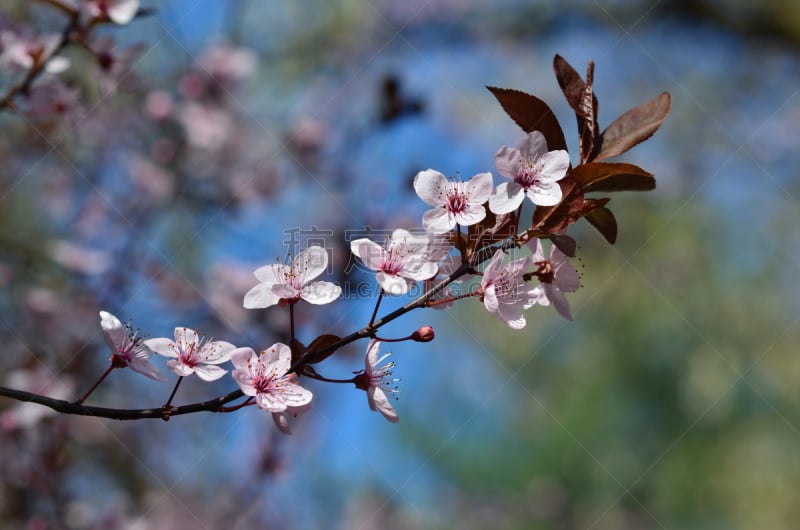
(423, 334)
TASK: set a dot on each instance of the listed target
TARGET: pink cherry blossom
(265, 377)
(505, 292)
(453, 202)
(115, 65)
(378, 382)
(556, 275)
(534, 172)
(227, 65)
(404, 257)
(292, 282)
(127, 347)
(118, 11)
(22, 50)
(189, 354)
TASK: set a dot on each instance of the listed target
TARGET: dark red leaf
(532, 114)
(604, 221)
(297, 348)
(580, 96)
(565, 244)
(571, 84)
(607, 176)
(636, 125)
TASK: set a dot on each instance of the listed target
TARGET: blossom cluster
(506, 289)
(473, 235)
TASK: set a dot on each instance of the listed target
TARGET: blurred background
(244, 130)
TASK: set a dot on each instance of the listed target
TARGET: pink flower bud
(423, 334)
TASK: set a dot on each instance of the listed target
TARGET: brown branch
(66, 407)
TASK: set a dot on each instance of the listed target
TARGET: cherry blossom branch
(66, 407)
(39, 66)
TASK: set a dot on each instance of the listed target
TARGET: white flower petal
(536, 248)
(271, 274)
(371, 253)
(418, 269)
(558, 299)
(310, 263)
(554, 166)
(517, 266)
(438, 221)
(431, 186)
(319, 293)
(533, 145)
(186, 339)
(295, 395)
(372, 356)
(143, 366)
(535, 295)
(57, 65)
(162, 346)
(179, 368)
(113, 331)
(507, 198)
(545, 193)
(391, 283)
(507, 161)
(377, 400)
(208, 372)
(123, 11)
(512, 315)
(490, 299)
(474, 214)
(479, 187)
(270, 402)
(260, 296)
(241, 357)
(278, 358)
(216, 352)
(493, 269)
(567, 278)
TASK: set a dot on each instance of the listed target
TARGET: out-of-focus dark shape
(394, 103)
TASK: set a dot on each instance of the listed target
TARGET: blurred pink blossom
(22, 50)
(40, 381)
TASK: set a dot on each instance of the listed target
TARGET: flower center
(188, 357)
(507, 286)
(545, 271)
(395, 256)
(267, 382)
(382, 378)
(528, 173)
(456, 201)
(131, 345)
